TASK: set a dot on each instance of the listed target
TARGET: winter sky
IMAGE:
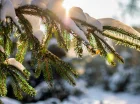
(101, 9)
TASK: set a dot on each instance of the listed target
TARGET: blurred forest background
(98, 83)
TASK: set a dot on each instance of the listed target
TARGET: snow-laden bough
(118, 30)
(18, 66)
(8, 10)
(77, 13)
(13, 62)
(94, 22)
(115, 23)
(96, 33)
(55, 6)
(36, 23)
(86, 25)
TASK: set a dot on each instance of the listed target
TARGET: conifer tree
(21, 19)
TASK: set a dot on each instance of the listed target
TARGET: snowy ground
(95, 95)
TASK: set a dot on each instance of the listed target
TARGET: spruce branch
(38, 68)
(23, 84)
(63, 71)
(3, 88)
(59, 37)
(121, 31)
(78, 47)
(16, 89)
(110, 49)
(48, 72)
(122, 41)
(44, 60)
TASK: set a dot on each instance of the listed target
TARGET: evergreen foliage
(45, 60)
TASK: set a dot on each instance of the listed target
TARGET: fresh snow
(118, 24)
(8, 10)
(13, 62)
(34, 21)
(56, 7)
(7, 100)
(71, 24)
(36, 24)
(94, 22)
(95, 95)
(2, 49)
(39, 35)
(77, 12)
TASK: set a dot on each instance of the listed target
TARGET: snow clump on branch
(7, 9)
(56, 7)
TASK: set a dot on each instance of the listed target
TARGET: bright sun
(67, 6)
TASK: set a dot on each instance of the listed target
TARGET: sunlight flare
(67, 7)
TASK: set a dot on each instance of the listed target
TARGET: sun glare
(67, 6)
